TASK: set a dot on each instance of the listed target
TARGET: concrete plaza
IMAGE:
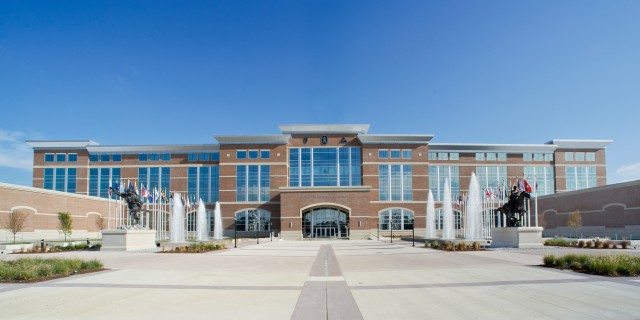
(324, 280)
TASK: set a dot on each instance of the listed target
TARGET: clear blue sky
(465, 71)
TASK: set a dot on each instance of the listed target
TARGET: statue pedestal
(517, 237)
(128, 240)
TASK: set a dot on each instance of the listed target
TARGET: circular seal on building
(324, 140)
(304, 140)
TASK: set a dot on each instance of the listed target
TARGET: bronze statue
(513, 207)
(133, 203)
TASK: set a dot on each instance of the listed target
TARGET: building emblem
(304, 140)
(343, 140)
(324, 140)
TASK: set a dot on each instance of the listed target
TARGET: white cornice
(276, 139)
(69, 144)
(469, 147)
(324, 129)
(395, 138)
(580, 144)
(153, 148)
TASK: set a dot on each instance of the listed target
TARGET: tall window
(252, 220)
(99, 180)
(252, 183)
(204, 182)
(543, 176)
(60, 179)
(324, 167)
(491, 176)
(437, 177)
(395, 182)
(401, 219)
(581, 177)
(155, 177)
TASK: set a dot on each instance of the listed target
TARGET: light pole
(413, 237)
(235, 232)
(391, 227)
(257, 225)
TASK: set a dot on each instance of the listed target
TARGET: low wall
(42, 207)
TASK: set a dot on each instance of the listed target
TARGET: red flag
(527, 186)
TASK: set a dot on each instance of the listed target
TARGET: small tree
(101, 223)
(575, 221)
(15, 222)
(65, 224)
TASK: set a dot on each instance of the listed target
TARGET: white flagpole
(535, 185)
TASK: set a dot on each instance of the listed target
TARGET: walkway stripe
(326, 295)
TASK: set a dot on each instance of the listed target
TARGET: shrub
(611, 265)
(476, 246)
(581, 244)
(33, 269)
(597, 244)
(461, 246)
(575, 265)
(624, 244)
(559, 242)
(549, 260)
(588, 244)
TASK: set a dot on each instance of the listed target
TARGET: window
(406, 154)
(491, 156)
(433, 156)
(454, 156)
(252, 220)
(253, 154)
(437, 177)
(579, 156)
(105, 157)
(339, 166)
(479, 156)
(443, 156)
(73, 157)
(215, 156)
(166, 156)
(116, 157)
(48, 157)
(155, 177)
(143, 157)
(591, 156)
(383, 154)
(395, 182)
(100, 179)
(493, 177)
(93, 157)
(204, 182)
(568, 156)
(401, 219)
(252, 183)
(204, 156)
(527, 157)
(502, 156)
(61, 157)
(154, 156)
(192, 156)
(265, 154)
(543, 176)
(581, 177)
(537, 157)
(548, 157)
(241, 154)
(395, 154)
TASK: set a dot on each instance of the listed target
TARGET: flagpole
(535, 183)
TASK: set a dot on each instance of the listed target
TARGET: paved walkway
(324, 280)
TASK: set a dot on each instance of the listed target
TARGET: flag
(164, 196)
(144, 192)
(486, 193)
(156, 195)
(110, 190)
(131, 187)
(527, 187)
(520, 185)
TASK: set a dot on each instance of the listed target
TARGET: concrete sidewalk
(323, 280)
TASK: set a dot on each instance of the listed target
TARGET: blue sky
(180, 72)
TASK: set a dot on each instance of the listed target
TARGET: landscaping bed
(199, 247)
(452, 245)
(41, 269)
(609, 265)
(589, 243)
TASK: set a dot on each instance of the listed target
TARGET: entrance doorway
(325, 222)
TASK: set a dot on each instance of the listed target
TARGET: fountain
(431, 217)
(447, 213)
(177, 220)
(217, 228)
(473, 218)
(201, 222)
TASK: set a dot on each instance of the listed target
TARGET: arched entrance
(325, 222)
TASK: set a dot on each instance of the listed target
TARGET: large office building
(310, 181)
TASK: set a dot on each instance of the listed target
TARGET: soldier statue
(133, 202)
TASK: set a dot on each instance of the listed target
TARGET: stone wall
(42, 206)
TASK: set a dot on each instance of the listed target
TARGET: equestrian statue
(514, 209)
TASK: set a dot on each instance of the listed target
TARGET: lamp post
(413, 237)
(391, 227)
(257, 225)
(235, 232)
(271, 230)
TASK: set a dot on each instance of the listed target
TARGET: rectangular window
(395, 154)
(383, 172)
(105, 157)
(543, 177)
(59, 179)
(143, 157)
(502, 156)
(591, 156)
(241, 183)
(580, 177)
(527, 157)
(204, 156)
(166, 156)
(383, 154)
(537, 157)
(479, 156)
(241, 154)
(324, 167)
(48, 157)
(48, 178)
(568, 156)
(73, 157)
(579, 156)
(294, 167)
(61, 157)
(116, 157)
(454, 156)
(71, 180)
(433, 156)
(215, 156)
(253, 154)
(406, 154)
(548, 157)
(491, 156)
(93, 158)
(265, 154)
(443, 156)
(192, 156)
(93, 182)
(154, 156)
(492, 177)
(395, 182)
(252, 183)
(437, 177)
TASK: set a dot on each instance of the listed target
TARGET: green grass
(558, 242)
(37, 269)
(609, 265)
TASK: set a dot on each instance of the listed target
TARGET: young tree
(101, 223)
(65, 224)
(15, 222)
(575, 221)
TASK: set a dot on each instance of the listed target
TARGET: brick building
(319, 180)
